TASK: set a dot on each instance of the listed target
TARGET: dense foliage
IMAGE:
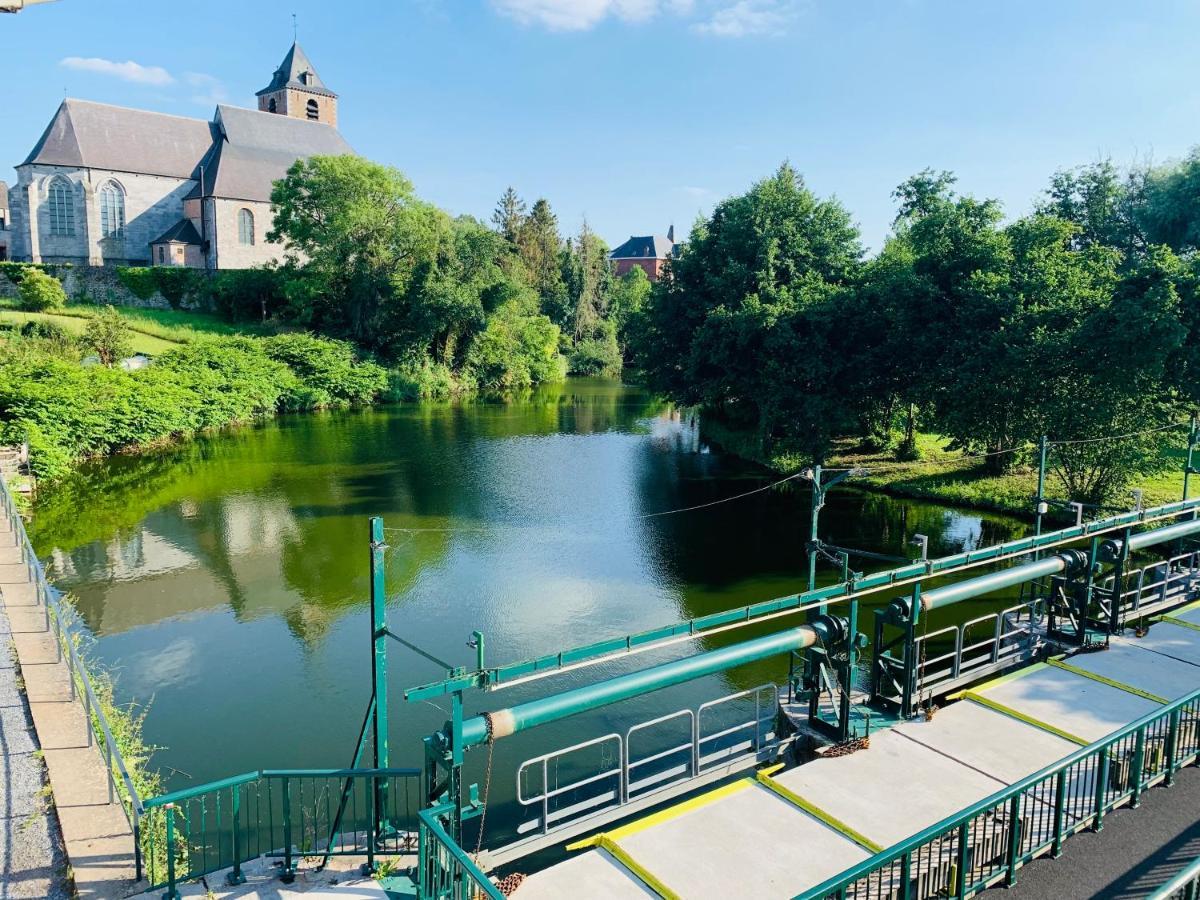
(1080, 321)
(40, 291)
(69, 412)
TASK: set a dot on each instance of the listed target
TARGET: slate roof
(255, 149)
(651, 246)
(182, 232)
(84, 134)
(297, 72)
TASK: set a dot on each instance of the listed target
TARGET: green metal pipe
(1069, 560)
(568, 703)
(1110, 550)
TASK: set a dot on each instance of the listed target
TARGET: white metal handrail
(627, 787)
(965, 656)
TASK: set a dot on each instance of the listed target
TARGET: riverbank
(945, 476)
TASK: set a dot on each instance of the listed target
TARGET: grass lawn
(142, 343)
(162, 328)
(947, 477)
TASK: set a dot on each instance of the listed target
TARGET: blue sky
(639, 113)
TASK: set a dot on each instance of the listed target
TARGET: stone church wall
(93, 284)
(230, 252)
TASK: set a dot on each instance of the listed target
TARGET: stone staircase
(14, 468)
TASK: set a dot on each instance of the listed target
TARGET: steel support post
(456, 763)
(1193, 439)
(1118, 589)
(1139, 764)
(379, 674)
(818, 500)
(1060, 809)
(848, 673)
(1014, 840)
(1041, 489)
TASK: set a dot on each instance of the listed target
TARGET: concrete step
(14, 573)
(10, 553)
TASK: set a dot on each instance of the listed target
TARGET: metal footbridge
(921, 763)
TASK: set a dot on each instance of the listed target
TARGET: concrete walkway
(95, 833)
(32, 862)
(774, 836)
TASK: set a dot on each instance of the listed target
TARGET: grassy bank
(69, 412)
(946, 476)
(154, 330)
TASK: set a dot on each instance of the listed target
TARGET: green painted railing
(1184, 886)
(59, 620)
(283, 814)
(990, 840)
(445, 870)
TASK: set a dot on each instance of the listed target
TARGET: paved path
(94, 831)
(1136, 851)
(32, 863)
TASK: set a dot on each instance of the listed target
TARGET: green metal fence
(990, 840)
(1184, 886)
(445, 870)
(59, 620)
(282, 814)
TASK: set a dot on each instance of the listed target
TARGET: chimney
(671, 233)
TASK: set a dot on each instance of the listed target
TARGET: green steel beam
(1111, 549)
(509, 721)
(501, 676)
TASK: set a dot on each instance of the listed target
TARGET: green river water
(225, 580)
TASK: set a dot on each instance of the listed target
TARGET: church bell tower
(296, 90)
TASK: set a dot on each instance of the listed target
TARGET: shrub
(326, 368)
(516, 350)
(425, 380)
(139, 281)
(40, 291)
(109, 336)
(596, 356)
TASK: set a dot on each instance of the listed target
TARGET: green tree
(108, 335)
(1104, 204)
(1172, 204)
(540, 247)
(359, 234)
(509, 215)
(40, 291)
(745, 323)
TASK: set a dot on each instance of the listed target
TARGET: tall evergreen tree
(509, 215)
(540, 246)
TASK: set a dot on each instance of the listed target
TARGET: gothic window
(271, 105)
(246, 227)
(62, 208)
(112, 211)
(314, 111)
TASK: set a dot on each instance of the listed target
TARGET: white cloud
(579, 15)
(696, 193)
(126, 71)
(746, 18)
(719, 18)
(210, 91)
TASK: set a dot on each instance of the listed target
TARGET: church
(108, 186)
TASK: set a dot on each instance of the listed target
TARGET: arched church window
(246, 227)
(112, 210)
(314, 111)
(271, 107)
(62, 208)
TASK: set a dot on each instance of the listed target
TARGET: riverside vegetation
(963, 340)
(1080, 321)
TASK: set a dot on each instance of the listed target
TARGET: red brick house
(650, 253)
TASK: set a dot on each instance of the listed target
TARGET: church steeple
(296, 90)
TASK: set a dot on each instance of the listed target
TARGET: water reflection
(226, 579)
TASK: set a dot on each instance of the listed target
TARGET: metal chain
(487, 783)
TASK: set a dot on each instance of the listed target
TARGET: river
(225, 580)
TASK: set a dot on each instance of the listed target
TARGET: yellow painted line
(817, 813)
(1111, 682)
(665, 815)
(644, 875)
(1189, 607)
(772, 769)
(1171, 620)
(1003, 679)
(1021, 717)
